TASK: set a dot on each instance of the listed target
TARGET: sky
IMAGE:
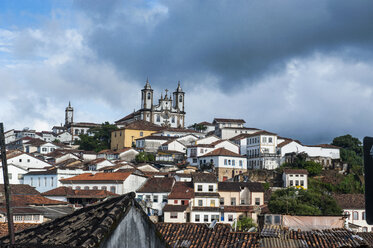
(302, 69)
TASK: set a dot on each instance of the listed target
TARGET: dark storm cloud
(232, 40)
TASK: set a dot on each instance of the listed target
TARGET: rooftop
(157, 185)
(222, 152)
(295, 171)
(224, 120)
(200, 177)
(109, 176)
(182, 190)
(238, 186)
(350, 201)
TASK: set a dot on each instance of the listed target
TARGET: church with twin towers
(169, 111)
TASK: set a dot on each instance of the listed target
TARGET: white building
(155, 193)
(151, 143)
(227, 164)
(295, 178)
(261, 151)
(45, 180)
(353, 206)
(115, 182)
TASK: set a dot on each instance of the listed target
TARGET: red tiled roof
(295, 171)
(350, 201)
(128, 117)
(157, 185)
(175, 208)
(78, 193)
(199, 235)
(222, 152)
(200, 177)
(17, 227)
(26, 200)
(110, 176)
(142, 125)
(241, 121)
(263, 132)
(324, 146)
(182, 190)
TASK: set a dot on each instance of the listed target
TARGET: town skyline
(303, 73)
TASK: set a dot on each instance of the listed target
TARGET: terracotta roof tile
(199, 235)
(222, 152)
(157, 185)
(182, 190)
(142, 125)
(350, 201)
(174, 208)
(78, 193)
(200, 177)
(17, 227)
(295, 171)
(224, 120)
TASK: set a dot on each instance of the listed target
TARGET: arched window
(181, 99)
(148, 96)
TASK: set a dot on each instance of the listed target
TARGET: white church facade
(169, 111)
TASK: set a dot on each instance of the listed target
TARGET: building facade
(168, 112)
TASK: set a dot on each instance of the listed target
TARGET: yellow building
(126, 136)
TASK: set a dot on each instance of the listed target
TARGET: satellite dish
(212, 225)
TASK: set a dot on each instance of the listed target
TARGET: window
(212, 203)
(363, 215)
(233, 162)
(148, 96)
(164, 198)
(175, 201)
(240, 163)
(222, 201)
(230, 217)
(147, 198)
(173, 119)
(39, 181)
(181, 99)
(95, 188)
(206, 218)
(155, 198)
(257, 201)
(200, 203)
(28, 217)
(86, 187)
(211, 188)
(355, 215)
(45, 182)
(20, 160)
(20, 176)
(225, 161)
(103, 188)
(158, 118)
(242, 201)
(229, 162)
(270, 140)
(233, 201)
(296, 182)
(77, 187)
(201, 150)
(28, 160)
(76, 131)
(214, 217)
(36, 217)
(112, 189)
(199, 188)
(196, 218)
(301, 183)
(32, 181)
(18, 218)
(264, 139)
(277, 219)
(141, 134)
(291, 183)
(173, 215)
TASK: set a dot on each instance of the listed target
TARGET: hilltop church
(169, 112)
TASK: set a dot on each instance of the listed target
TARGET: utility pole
(6, 185)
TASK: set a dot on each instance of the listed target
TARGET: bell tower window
(180, 99)
(148, 96)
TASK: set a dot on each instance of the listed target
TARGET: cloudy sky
(300, 68)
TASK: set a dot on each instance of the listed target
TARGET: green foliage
(303, 202)
(266, 185)
(351, 152)
(144, 157)
(300, 162)
(349, 184)
(99, 140)
(199, 127)
(244, 224)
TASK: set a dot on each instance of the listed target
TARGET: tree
(244, 224)
(303, 202)
(99, 138)
(144, 157)
(199, 127)
(351, 152)
(300, 162)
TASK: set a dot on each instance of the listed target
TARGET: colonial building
(169, 111)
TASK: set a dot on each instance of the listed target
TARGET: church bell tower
(69, 115)
(147, 96)
(179, 98)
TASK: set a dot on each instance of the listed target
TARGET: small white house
(295, 178)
